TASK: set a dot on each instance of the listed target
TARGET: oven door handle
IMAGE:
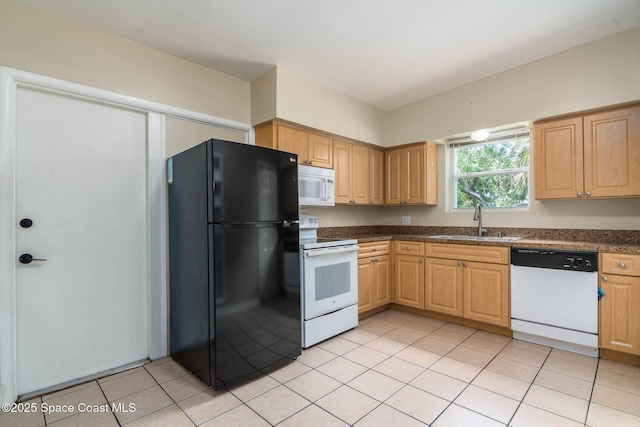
(327, 251)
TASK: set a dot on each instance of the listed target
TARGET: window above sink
(493, 173)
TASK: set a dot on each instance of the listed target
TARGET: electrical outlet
(406, 220)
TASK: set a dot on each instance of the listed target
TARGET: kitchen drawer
(408, 248)
(373, 249)
(623, 264)
(492, 254)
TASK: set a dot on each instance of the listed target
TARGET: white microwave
(316, 186)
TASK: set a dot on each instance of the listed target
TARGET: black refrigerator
(234, 300)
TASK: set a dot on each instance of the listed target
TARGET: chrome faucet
(477, 216)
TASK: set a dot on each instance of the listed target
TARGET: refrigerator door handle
(286, 223)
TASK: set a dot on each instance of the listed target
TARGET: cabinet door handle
(465, 264)
(421, 259)
(622, 264)
(605, 279)
(579, 193)
(310, 162)
(370, 202)
(588, 193)
(458, 263)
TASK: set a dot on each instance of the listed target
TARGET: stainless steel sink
(477, 238)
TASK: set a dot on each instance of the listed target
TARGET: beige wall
(264, 97)
(303, 101)
(183, 134)
(344, 216)
(601, 73)
(34, 41)
(604, 72)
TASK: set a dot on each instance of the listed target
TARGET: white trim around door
(10, 80)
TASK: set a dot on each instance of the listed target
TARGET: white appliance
(316, 186)
(329, 280)
(554, 298)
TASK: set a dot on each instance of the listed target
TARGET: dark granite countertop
(620, 241)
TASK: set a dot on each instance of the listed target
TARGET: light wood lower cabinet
(409, 280)
(374, 264)
(486, 293)
(446, 282)
(620, 306)
(444, 292)
(473, 290)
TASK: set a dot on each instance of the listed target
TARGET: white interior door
(81, 179)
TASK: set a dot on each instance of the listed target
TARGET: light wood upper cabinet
(597, 155)
(312, 149)
(320, 151)
(558, 159)
(293, 141)
(376, 177)
(411, 175)
(393, 187)
(360, 175)
(619, 316)
(352, 172)
(612, 153)
(342, 155)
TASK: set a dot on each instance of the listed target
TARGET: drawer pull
(622, 264)
(408, 248)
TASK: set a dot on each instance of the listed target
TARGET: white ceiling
(385, 52)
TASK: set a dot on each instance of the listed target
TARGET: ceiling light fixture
(480, 135)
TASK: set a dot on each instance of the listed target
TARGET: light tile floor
(395, 369)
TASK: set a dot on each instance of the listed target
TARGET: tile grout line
(168, 395)
(529, 388)
(469, 383)
(108, 403)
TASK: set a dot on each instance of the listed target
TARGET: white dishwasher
(554, 298)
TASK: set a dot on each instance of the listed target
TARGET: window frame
(496, 138)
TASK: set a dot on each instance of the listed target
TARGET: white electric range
(329, 280)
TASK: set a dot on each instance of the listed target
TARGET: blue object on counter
(600, 293)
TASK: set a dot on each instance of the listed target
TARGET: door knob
(26, 223)
(27, 258)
